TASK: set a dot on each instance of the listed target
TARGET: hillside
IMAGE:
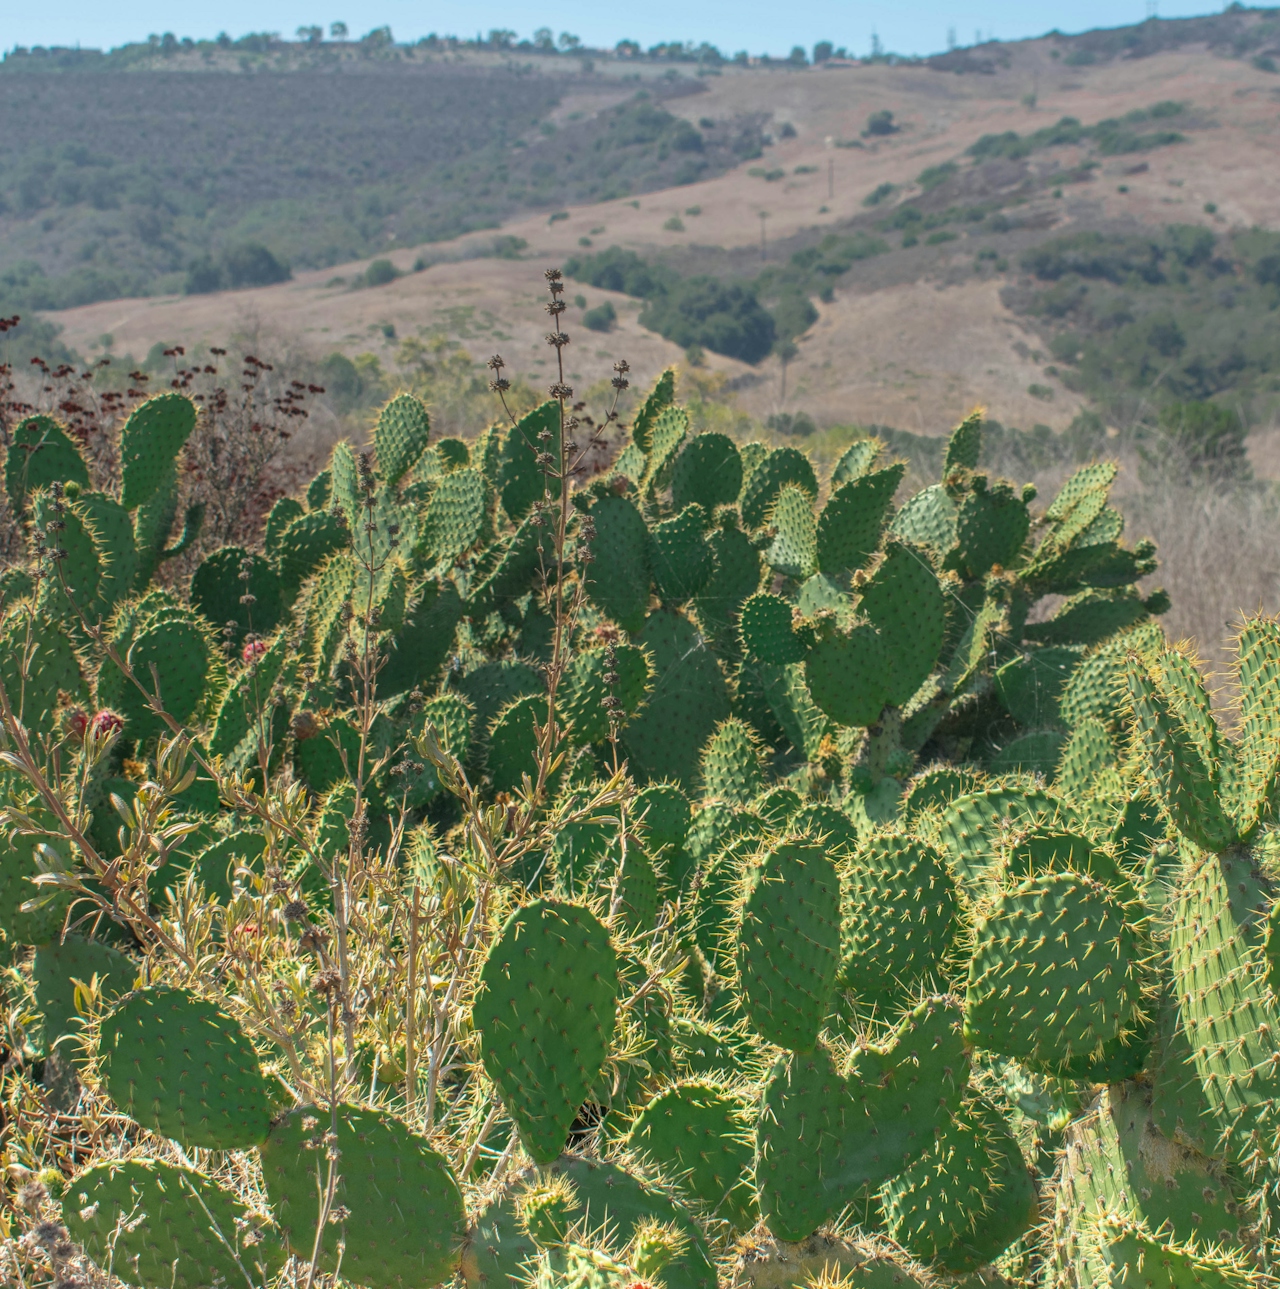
(924, 303)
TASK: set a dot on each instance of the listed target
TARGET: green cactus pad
(1054, 975)
(1147, 1259)
(857, 460)
(400, 436)
(708, 471)
(666, 434)
(732, 765)
(936, 786)
(584, 690)
(679, 555)
(663, 811)
(152, 523)
(56, 968)
(183, 1230)
(793, 551)
(904, 602)
(1225, 1009)
(305, 545)
(1258, 678)
(154, 434)
(775, 806)
(852, 520)
(781, 467)
(788, 947)
(992, 523)
(492, 685)
(1033, 752)
(517, 570)
(111, 527)
(615, 1199)
(1089, 752)
(964, 447)
(179, 650)
(848, 674)
(699, 1134)
(736, 576)
(618, 584)
(346, 492)
(39, 455)
(900, 917)
(1118, 1162)
(928, 519)
(218, 588)
(1182, 750)
(521, 480)
(545, 1013)
(767, 633)
(690, 698)
(79, 560)
(513, 742)
(1097, 687)
(713, 915)
(660, 396)
(1089, 618)
(1086, 483)
(184, 1069)
(832, 829)
(404, 1219)
(1030, 686)
(52, 667)
(281, 515)
(636, 891)
(822, 1138)
(422, 645)
(974, 827)
(456, 518)
(967, 1198)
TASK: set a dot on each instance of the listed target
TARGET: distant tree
(251, 264)
(545, 40)
(223, 41)
(312, 35)
(601, 318)
(337, 31)
(502, 38)
(378, 38)
(168, 43)
(203, 277)
(822, 51)
(797, 57)
(569, 42)
(627, 49)
(881, 123)
(380, 272)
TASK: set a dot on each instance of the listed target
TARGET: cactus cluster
(700, 872)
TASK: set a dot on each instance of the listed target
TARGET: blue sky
(917, 28)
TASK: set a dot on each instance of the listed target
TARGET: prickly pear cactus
(413, 1239)
(155, 1223)
(184, 1069)
(545, 1011)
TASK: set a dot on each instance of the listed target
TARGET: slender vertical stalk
(411, 1010)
